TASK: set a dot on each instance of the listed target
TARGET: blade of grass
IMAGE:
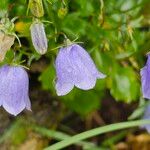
(10, 130)
(96, 131)
(114, 139)
(62, 136)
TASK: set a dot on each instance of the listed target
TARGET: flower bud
(7, 25)
(38, 36)
(62, 12)
(36, 7)
(6, 41)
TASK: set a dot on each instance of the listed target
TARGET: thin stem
(60, 136)
(96, 131)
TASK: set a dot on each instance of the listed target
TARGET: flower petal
(1, 102)
(87, 60)
(145, 79)
(64, 71)
(14, 89)
(85, 71)
(28, 104)
(63, 88)
(74, 66)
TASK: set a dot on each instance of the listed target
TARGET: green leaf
(139, 111)
(73, 24)
(3, 8)
(82, 102)
(86, 7)
(124, 55)
(124, 85)
(47, 78)
(103, 61)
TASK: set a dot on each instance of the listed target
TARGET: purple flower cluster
(74, 67)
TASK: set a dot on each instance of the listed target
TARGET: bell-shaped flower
(145, 79)
(38, 37)
(147, 116)
(6, 41)
(74, 67)
(14, 86)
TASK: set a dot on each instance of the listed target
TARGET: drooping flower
(38, 36)
(147, 116)
(14, 86)
(145, 79)
(74, 67)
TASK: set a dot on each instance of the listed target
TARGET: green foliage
(114, 32)
(124, 85)
(82, 102)
(113, 42)
(17, 129)
(3, 8)
(110, 31)
(139, 111)
(100, 130)
(62, 136)
(47, 78)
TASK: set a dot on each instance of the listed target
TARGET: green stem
(96, 131)
(115, 138)
(61, 136)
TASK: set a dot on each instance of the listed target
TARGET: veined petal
(83, 78)
(64, 71)
(85, 70)
(86, 60)
(145, 79)
(14, 89)
(12, 106)
(63, 88)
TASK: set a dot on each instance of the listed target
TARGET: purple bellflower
(74, 67)
(147, 116)
(145, 79)
(14, 86)
(38, 36)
